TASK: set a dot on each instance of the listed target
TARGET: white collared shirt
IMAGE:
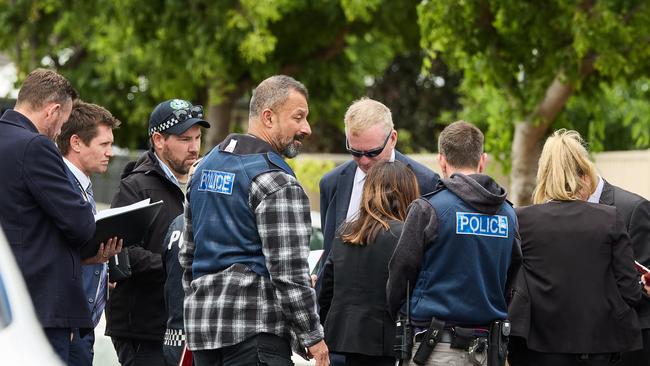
(357, 190)
(595, 197)
(82, 178)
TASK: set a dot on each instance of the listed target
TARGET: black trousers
(356, 359)
(136, 352)
(520, 355)
(262, 349)
(640, 357)
(173, 354)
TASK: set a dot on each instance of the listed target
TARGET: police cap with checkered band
(175, 116)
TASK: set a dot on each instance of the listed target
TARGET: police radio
(403, 345)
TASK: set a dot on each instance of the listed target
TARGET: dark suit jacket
(336, 189)
(352, 299)
(635, 211)
(577, 284)
(90, 272)
(45, 221)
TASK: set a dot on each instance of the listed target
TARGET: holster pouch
(403, 344)
(462, 338)
(498, 343)
(428, 343)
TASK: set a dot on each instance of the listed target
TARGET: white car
(22, 341)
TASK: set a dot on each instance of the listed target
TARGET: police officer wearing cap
(135, 313)
(456, 258)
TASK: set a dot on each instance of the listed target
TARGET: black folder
(130, 225)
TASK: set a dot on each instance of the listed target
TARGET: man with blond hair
(370, 137)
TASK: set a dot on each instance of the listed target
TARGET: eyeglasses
(370, 153)
(182, 115)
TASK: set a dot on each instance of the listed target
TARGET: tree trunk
(528, 140)
(219, 118)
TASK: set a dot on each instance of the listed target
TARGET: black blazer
(45, 220)
(352, 299)
(336, 188)
(635, 211)
(577, 284)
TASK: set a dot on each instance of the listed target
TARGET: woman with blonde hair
(573, 300)
(353, 293)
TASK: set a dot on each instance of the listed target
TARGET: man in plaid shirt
(248, 298)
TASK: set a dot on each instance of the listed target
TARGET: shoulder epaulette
(438, 189)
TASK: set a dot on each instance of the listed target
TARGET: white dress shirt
(357, 190)
(595, 197)
(82, 179)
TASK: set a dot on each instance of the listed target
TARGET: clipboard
(129, 223)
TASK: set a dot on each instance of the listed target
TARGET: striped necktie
(90, 197)
(100, 298)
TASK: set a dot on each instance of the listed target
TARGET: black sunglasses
(370, 153)
(183, 115)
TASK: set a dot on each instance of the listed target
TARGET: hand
(112, 247)
(112, 285)
(320, 353)
(646, 283)
(314, 279)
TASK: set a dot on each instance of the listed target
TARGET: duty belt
(472, 340)
(447, 335)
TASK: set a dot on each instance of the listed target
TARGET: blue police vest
(225, 230)
(464, 270)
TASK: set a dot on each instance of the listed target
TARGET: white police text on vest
(216, 181)
(468, 223)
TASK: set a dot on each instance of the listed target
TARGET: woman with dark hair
(574, 297)
(352, 300)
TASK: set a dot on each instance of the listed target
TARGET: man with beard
(135, 312)
(248, 299)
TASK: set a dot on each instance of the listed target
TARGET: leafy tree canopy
(523, 60)
(128, 55)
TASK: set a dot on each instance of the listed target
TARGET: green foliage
(511, 51)
(420, 103)
(612, 117)
(128, 55)
(310, 171)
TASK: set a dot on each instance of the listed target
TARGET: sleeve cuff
(311, 338)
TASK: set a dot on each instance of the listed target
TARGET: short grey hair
(366, 113)
(273, 92)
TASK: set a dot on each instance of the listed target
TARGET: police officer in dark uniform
(174, 340)
(456, 259)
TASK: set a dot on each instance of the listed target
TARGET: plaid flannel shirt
(225, 308)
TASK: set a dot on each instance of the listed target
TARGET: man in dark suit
(86, 142)
(370, 137)
(635, 211)
(44, 218)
